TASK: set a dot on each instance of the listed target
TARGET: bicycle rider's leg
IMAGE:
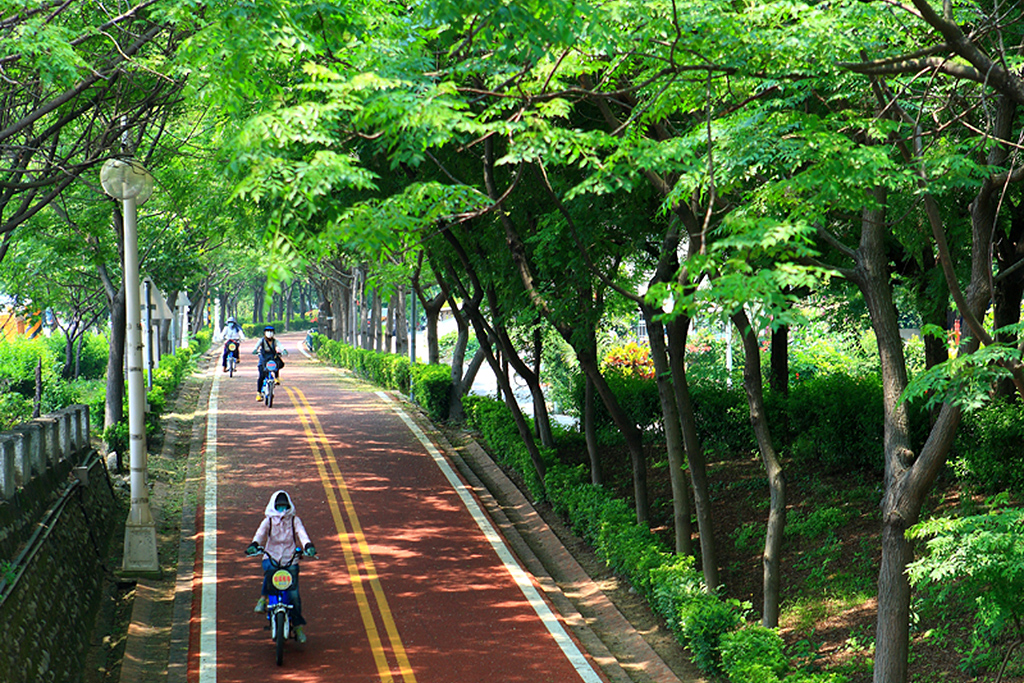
(267, 574)
(293, 597)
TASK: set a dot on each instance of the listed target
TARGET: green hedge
(428, 385)
(432, 389)
(669, 582)
(166, 380)
(707, 625)
(18, 360)
(494, 421)
(987, 448)
(255, 330)
(813, 423)
(824, 430)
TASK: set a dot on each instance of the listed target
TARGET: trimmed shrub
(255, 330)
(836, 422)
(987, 448)
(703, 621)
(389, 370)
(431, 387)
(18, 361)
(428, 385)
(610, 526)
(722, 416)
(116, 438)
(166, 380)
(754, 654)
(637, 395)
(494, 421)
(674, 584)
(801, 676)
(92, 364)
(446, 344)
(14, 409)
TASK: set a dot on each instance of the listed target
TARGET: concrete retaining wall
(57, 513)
(30, 449)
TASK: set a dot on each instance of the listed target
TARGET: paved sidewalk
(157, 644)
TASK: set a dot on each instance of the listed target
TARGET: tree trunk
(779, 379)
(469, 375)
(376, 331)
(287, 303)
(37, 402)
(673, 435)
(907, 479)
(677, 332)
(873, 277)
(455, 411)
(358, 309)
(431, 310)
(542, 422)
(78, 356)
(776, 481)
(259, 298)
(479, 328)
(401, 325)
(1008, 284)
(542, 425)
(69, 369)
(630, 432)
(590, 431)
(324, 318)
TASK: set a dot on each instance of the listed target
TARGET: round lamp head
(126, 179)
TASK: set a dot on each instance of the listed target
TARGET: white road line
(208, 606)
(554, 626)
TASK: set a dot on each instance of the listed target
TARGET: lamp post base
(140, 555)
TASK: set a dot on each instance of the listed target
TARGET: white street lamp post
(130, 182)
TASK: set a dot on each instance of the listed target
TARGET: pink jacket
(280, 533)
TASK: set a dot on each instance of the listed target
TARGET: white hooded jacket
(281, 532)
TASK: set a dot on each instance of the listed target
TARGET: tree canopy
(550, 160)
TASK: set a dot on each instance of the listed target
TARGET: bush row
(494, 421)
(986, 453)
(713, 629)
(429, 385)
(812, 424)
(19, 359)
(166, 380)
(255, 330)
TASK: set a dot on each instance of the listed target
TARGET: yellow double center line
(355, 548)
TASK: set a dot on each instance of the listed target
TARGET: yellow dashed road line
(354, 546)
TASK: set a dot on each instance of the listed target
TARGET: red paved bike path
(415, 593)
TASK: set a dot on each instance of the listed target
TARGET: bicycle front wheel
(279, 620)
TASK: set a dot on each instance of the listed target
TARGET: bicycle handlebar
(298, 552)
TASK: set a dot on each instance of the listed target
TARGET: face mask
(282, 508)
(269, 335)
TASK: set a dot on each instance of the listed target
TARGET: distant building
(13, 326)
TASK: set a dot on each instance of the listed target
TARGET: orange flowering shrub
(631, 360)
